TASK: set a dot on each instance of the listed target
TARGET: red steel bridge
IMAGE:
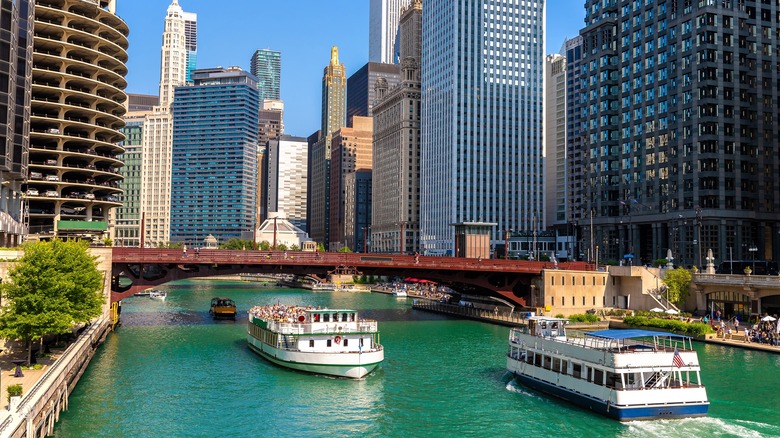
(136, 269)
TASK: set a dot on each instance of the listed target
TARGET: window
(311, 343)
(346, 342)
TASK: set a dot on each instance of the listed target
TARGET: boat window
(564, 367)
(613, 380)
(346, 342)
(311, 343)
(556, 364)
(316, 317)
(547, 362)
(343, 317)
(352, 317)
(326, 317)
(529, 357)
(598, 376)
(589, 372)
(576, 370)
(330, 343)
(538, 360)
(360, 343)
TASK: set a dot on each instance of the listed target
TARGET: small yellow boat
(222, 308)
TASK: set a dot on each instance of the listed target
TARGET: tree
(345, 249)
(54, 286)
(678, 282)
(295, 247)
(265, 245)
(237, 244)
(170, 245)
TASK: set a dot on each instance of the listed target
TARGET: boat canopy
(632, 334)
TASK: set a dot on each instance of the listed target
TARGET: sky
(229, 32)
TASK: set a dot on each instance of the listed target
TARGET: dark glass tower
(680, 125)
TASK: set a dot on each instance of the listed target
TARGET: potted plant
(14, 396)
(748, 271)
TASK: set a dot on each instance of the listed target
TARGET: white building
(155, 202)
(278, 230)
(287, 164)
(383, 30)
(482, 112)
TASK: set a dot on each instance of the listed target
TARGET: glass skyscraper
(266, 65)
(482, 107)
(214, 159)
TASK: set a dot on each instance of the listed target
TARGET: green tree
(54, 286)
(237, 244)
(265, 245)
(169, 245)
(295, 247)
(678, 282)
(345, 249)
(281, 247)
(320, 247)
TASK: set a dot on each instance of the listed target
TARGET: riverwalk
(514, 318)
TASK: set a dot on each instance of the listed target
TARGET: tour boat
(624, 374)
(334, 342)
(223, 308)
(400, 293)
(157, 295)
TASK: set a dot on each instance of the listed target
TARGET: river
(170, 371)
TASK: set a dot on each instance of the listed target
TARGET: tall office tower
(266, 65)
(158, 133)
(555, 150)
(16, 44)
(395, 214)
(574, 156)
(482, 107)
(311, 141)
(383, 30)
(270, 127)
(214, 156)
(334, 84)
(287, 164)
(128, 216)
(681, 128)
(360, 87)
(191, 43)
(77, 104)
(357, 209)
(350, 151)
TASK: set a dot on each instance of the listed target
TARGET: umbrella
(656, 309)
(768, 318)
(672, 311)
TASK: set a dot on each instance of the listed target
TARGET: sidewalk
(16, 351)
(738, 341)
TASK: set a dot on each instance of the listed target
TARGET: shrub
(589, 318)
(14, 391)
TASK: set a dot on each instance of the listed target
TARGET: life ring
(337, 339)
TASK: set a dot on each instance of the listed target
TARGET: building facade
(191, 43)
(357, 209)
(395, 214)
(77, 104)
(680, 128)
(574, 158)
(214, 156)
(334, 93)
(287, 164)
(351, 150)
(266, 65)
(482, 106)
(360, 87)
(383, 38)
(158, 133)
(16, 56)
(128, 217)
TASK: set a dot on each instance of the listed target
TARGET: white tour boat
(157, 295)
(333, 342)
(624, 374)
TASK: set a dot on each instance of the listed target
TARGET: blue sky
(229, 31)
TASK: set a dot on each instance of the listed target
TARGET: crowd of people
(763, 332)
(424, 290)
(280, 313)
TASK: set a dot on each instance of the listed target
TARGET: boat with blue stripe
(623, 374)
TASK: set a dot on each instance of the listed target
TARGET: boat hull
(347, 365)
(620, 413)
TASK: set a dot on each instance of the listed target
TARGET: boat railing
(297, 328)
(628, 345)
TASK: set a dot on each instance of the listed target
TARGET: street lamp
(753, 250)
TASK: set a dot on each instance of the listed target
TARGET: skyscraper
(128, 217)
(383, 37)
(155, 191)
(680, 128)
(555, 147)
(76, 110)
(191, 43)
(574, 176)
(334, 85)
(395, 214)
(360, 87)
(16, 43)
(214, 156)
(286, 178)
(266, 65)
(482, 106)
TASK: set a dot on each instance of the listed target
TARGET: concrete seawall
(40, 407)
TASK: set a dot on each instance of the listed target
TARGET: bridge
(136, 269)
(756, 294)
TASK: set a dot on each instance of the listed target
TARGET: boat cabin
(330, 315)
(546, 327)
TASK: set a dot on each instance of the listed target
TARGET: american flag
(677, 359)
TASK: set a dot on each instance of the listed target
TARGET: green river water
(170, 371)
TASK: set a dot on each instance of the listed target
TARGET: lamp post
(753, 250)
